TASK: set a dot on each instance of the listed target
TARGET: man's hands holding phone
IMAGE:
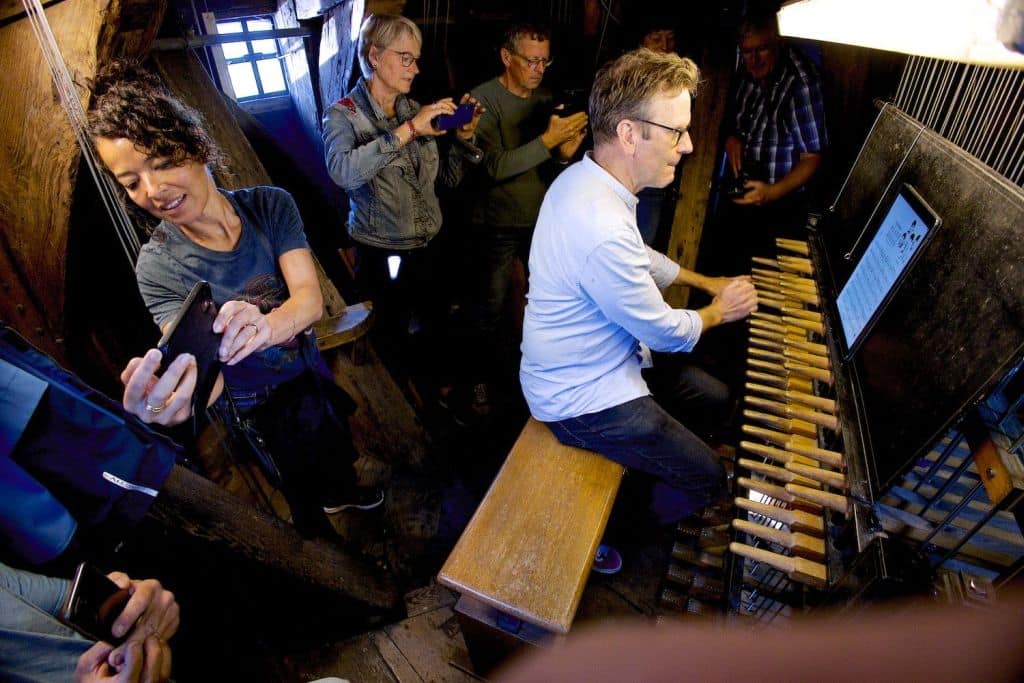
(148, 620)
(565, 134)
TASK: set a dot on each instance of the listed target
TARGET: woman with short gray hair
(381, 148)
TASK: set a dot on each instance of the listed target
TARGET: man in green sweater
(519, 132)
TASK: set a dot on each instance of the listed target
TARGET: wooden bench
(527, 552)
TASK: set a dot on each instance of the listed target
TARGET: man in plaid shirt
(779, 115)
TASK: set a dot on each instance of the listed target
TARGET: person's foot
(360, 498)
(472, 407)
(607, 560)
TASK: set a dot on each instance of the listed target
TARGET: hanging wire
(977, 108)
(67, 94)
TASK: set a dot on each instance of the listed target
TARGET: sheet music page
(897, 240)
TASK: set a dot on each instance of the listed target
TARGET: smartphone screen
(463, 115)
(93, 604)
(191, 331)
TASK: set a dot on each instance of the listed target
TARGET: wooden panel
(529, 547)
(699, 168)
(337, 55)
(301, 85)
(39, 159)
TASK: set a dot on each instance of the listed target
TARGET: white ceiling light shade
(958, 30)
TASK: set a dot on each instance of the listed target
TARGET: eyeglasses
(535, 63)
(679, 133)
(407, 58)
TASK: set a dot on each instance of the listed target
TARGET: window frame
(252, 57)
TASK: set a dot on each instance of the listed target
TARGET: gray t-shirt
(509, 135)
(170, 264)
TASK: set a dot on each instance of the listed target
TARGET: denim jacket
(392, 203)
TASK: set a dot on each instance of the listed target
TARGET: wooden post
(716, 68)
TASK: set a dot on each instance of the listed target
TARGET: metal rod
(967, 535)
(955, 440)
(945, 488)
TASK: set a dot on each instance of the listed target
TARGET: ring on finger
(156, 409)
(254, 326)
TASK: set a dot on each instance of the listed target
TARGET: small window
(254, 66)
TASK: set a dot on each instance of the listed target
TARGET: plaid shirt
(780, 118)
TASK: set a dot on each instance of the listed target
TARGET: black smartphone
(191, 331)
(463, 115)
(572, 101)
(93, 604)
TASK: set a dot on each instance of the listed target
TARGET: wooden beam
(200, 508)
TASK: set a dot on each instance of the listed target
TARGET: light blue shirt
(594, 296)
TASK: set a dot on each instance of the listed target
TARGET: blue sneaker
(607, 560)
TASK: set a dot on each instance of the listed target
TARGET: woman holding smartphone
(381, 148)
(250, 245)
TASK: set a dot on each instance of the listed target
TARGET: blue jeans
(642, 435)
(34, 646)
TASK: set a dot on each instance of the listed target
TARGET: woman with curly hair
(250, 245)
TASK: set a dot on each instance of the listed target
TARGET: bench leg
(492, 636)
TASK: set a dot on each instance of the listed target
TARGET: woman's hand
(467, 131)
(245, 331)
(165, 400)
(422, 121)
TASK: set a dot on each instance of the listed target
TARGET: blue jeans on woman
(643, 435)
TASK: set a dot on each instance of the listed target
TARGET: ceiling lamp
(959, 30)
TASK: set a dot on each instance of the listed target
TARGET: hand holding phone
(463, 114)
(93, 604)
(191, 332)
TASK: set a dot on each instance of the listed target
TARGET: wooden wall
(39, 157)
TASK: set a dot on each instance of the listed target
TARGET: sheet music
(893, 246)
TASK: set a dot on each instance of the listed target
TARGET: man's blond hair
(624, 87)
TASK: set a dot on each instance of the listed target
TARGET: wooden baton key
(762, 261)
(796, 568)
(764, 354)
(802, 323)
(780, 493)
(807, 358)
(807, 371)
(825, 405)
(793, 245)
(799, 544)
(777, 473)
(783, 424)
(809, 347)
(799, 295)
(796, 520)
(781, 381)
(819, 474)
(776, 454)
(832, 501)
(794, 411)
(797, 444)
(795, 266)
(813, 316)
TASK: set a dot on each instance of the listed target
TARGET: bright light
(958, 30)
(358, 10)
(394, 263)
